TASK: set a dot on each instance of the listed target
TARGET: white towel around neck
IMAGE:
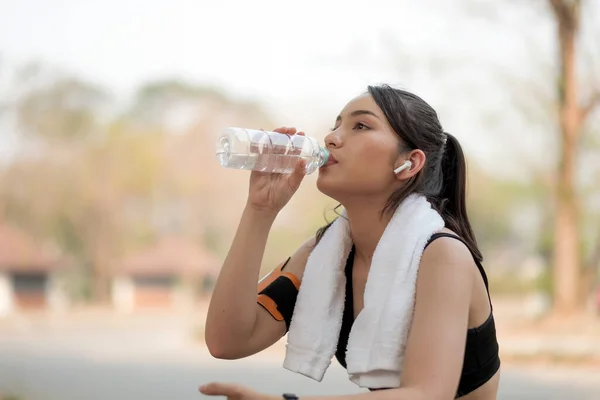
(378, 336)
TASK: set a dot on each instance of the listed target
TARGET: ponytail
(453, 194)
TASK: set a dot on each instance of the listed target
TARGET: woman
(451, 350)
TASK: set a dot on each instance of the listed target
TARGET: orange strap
(265, 300)
(270, 306)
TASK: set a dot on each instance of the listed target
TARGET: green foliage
(168, 90)
(513, 285)
(65, 109)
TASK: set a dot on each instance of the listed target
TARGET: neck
(366, 228)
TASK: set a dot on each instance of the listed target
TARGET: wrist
(260, 212)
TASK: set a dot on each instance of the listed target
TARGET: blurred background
(115, 215)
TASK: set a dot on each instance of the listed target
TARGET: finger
(283, 129)
(219, 389)
(300, 133)
(299, 172)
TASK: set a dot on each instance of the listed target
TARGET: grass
(11, 397)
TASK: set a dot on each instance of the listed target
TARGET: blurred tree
(572, 116)
(65, 109)
(76, 170)
(56, 117)
(575, 96)
(194, 194)
(171, 104)
(79, 199)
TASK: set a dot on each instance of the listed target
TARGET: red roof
(20, 253)
(171, 256)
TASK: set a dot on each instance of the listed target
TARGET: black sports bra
(481, 359)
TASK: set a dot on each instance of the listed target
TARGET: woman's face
(366, 150)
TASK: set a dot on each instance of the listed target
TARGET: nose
(332, 140)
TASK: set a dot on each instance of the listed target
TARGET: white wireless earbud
(407, 164)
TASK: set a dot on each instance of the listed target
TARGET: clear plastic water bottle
(264, 151)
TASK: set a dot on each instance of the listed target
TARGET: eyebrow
(357, 113)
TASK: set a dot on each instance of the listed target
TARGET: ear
(417, 160)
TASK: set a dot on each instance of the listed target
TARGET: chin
(334, 187)
(346, 188)
(327, 185)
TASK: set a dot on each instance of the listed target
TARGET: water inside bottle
(256, 150)
(261, 152)
(263, 162)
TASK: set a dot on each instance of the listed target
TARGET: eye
(360, 126)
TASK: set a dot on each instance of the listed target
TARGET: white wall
(6, 294)
(123, 294)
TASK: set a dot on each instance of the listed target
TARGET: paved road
(58, 377)
(155, 359)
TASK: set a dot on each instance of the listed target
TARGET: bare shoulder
(448, 255)
(298, 260)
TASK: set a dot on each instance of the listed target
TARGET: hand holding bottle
(270, 192)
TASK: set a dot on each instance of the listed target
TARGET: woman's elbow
(217, 347)
(220, 350)
(221, 354)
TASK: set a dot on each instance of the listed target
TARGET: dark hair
(443, 178)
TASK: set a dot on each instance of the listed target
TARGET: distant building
(27, 274)
(172, 272)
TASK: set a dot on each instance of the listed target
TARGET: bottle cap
(325, 155)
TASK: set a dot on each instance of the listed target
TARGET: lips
(330, 161)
